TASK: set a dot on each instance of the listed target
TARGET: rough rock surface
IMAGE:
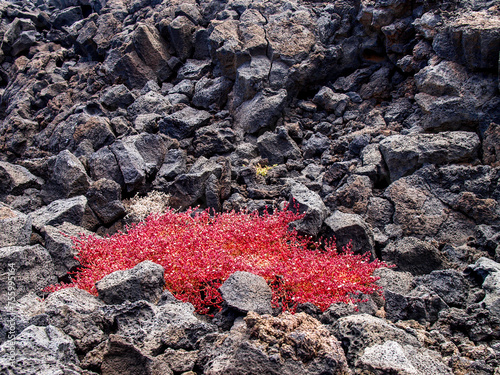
(380, 119)
(143, 282)
(38, 350)
(247, 292)
(285, 344)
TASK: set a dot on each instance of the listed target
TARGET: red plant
(199, 252)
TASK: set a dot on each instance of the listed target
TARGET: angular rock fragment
(153, 50)
(16, 227)
(351, 227)
(260, 112)
(40, 350)
(487, 272)
(212, 93)
(309, 203)
(72, 210)
(413, 255)
(359, 332)
(214, 139)
(394, 357)
(246, 292)
(68, 178)
(278, 147)
(193, 69)
(184, 123)
(143, 282)
(173, 165)
(404, 154)
(181, 31)
(420, 304)
(30, 269)
(78, 314)
(103, 164)
(450, 285)
(331, 101)
(104, 198)
(59, 244)
(117, 96)
(14, 179)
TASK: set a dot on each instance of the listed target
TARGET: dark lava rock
(143, 282)
(413, 255)
(246, 292)
(31, 269)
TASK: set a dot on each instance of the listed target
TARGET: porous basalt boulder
(143, 282)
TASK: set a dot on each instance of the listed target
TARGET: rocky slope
(381, 118)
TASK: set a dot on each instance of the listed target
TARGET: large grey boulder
(188, 188)
(193, 69)
(443, 113)
(250, 78)
(445, 78)
(19, 36)
(103, 164)
(104, 198)
(29, 268)
(278, 147)
(260, 112)
(291, 41)
(315, 145)
(151, 328)
(72, 210)
(78, 314)
(16, 227)
(181, 31)
(118, 96)
(404, 154)
(128, 67)
(420, 304)
(451, 285)
(14, 179)
(309, 203)
(354, 194)
(359, 332)
(246, 292)
(67, 17)
(68, 178)
(117, 355)
(374, 165)
(421, 207)
(143, 282)
(225, 47)
(331, 101)
(392, 357)
(212, 93)
(214, 139)
(39, 350)
(351, 227)
(139, 157)
(59, 244)
(152, 49)
(182, 124)
(76, 129)
(148, 103)
(413, 255)
(470, 38)
(173, 165)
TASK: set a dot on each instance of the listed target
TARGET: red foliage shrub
(199, 252)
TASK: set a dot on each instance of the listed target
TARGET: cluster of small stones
(380, 119)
